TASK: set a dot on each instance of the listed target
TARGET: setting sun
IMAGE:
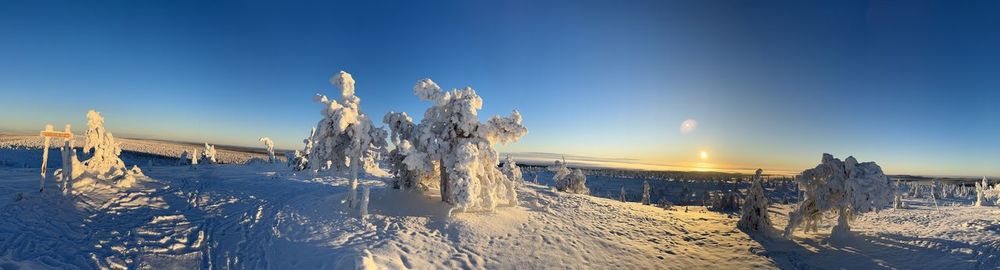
(704, 155)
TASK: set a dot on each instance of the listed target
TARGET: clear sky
(912, 85)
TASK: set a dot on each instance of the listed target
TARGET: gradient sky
(912, 85)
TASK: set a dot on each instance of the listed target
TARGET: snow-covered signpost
(48, 134)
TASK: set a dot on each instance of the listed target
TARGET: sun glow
(704, 155)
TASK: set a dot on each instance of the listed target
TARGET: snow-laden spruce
(452, 145)
(755, 218)
(848, 187)
(105, 163)
(344, 139)
(566, 180)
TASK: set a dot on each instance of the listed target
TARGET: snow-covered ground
(258, 217)
(919, 237)
(266, 216)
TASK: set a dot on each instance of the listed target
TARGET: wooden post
(45, 157)
(68, 156)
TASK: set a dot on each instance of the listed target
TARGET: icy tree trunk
(843, 228)
(445, 194)
(621, 195)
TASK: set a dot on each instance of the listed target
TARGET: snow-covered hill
(257, 217)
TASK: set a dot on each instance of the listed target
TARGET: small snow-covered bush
(848, 187)
(755, 218)
(452, 145)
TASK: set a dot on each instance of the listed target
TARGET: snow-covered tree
(345, 139)
(645, 192)
(847, 187)
(512, 172)
(194, 158)
(561, 173)
(755, 218)
(984, 193)
(451, 144)
(299, 160)
(104, 164)
(269, 146)
(981, 192)
(208, 156)
(572, 181)
(104, 161)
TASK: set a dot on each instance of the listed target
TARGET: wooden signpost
(48, 134)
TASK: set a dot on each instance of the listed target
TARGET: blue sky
(912, 85)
